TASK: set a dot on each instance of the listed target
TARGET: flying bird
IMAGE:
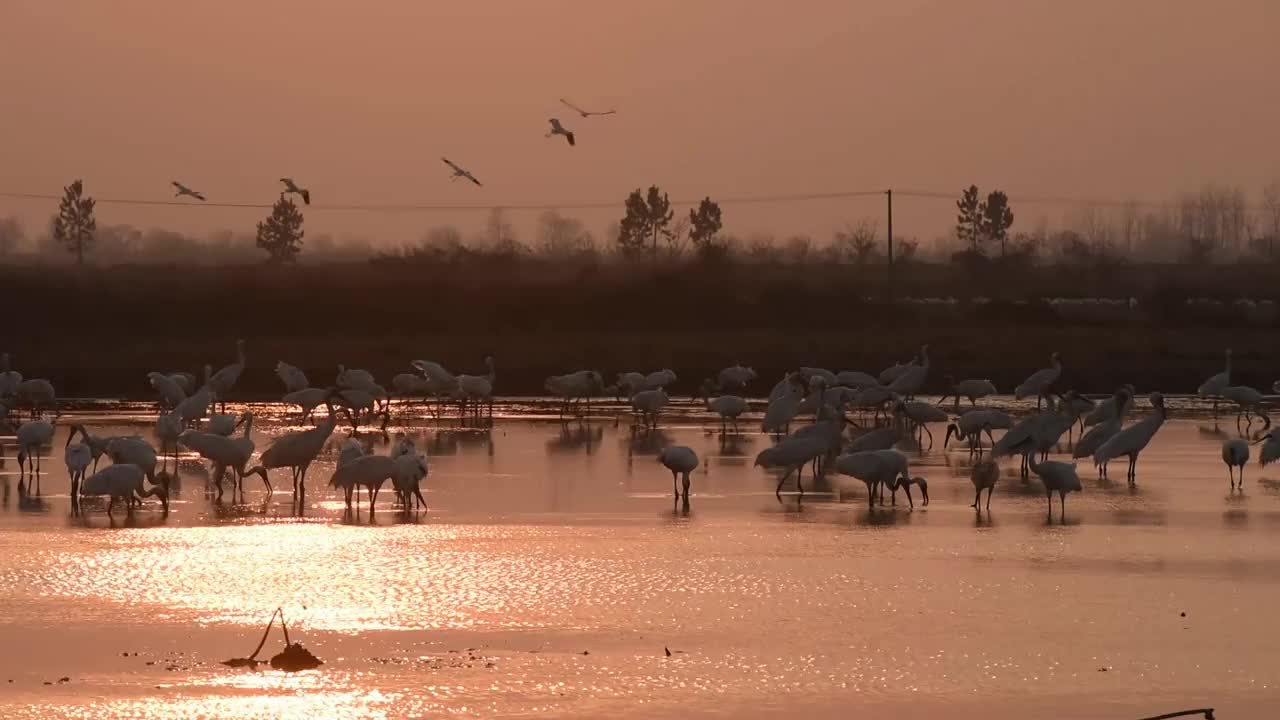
(458, 172)
(558, 129)
(585, 113)
(184, 190)
(291, 187)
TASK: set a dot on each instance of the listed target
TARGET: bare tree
(1271, 210)
(560, 236)
(858, 243)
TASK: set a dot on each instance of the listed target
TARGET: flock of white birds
(291, 187)
(194, 417)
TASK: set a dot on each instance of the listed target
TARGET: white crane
(308, 399)
(807, 374)
(984, 475)
(196, 407)
(1212, 388)
(38, 395)
(77, 456)
(629, 383)
(1059, 477)
(903, 482)
(883, 438)
(912, 379)
(1270, 451)
(32, 436)
(972, 388)
(648, 405)
(123, 481)
(1035, 434)
(184, 190)
(855, 379)
(225, 452)
(169, 427)
(782, 410)
(728, 407)
(1132, 440)
(735, 377)
(1235, 454)
(875, 468)
(1249, 402)
(292, 377)
(972, 424)
(1040, 381)
(97, 445)
(789, 383)
(891, 373)
(586, 113)
(558, 129)
(297, 450)
(292, 187)
(185, 380)
(478, 389)
(791, 455)
(575, 387)
(355, 379)
(920, 414)
(458, 172)
(659, 379)
(1108, 409)
(367, 471)
(1106, 429)
(680, 460)
(408, 471)
(134, 450)
(171, 393)
(221, 382)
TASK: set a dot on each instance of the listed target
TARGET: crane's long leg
(674, 486)
(977, 496)
(990, 490)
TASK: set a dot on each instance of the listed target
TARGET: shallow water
(553, 570)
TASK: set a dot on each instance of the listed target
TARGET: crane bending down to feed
(1132, 440)
(124, 481)
(791, 455)
(298, 450)
(973, 388)
(558, 129)
(878, 469)
(574, 387)
(680, 460)
(32, 436)
(1235, 454)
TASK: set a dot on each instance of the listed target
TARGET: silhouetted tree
(997, 218)
(857, 243)
(74, 226)
(969, 219)
(704, 224)
(560, 236)
(1271, 204)
(281, 233)
(647, 218)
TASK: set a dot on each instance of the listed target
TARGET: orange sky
(1121, 98)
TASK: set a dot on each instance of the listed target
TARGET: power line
(378, 207)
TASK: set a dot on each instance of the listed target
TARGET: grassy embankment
(98, 331)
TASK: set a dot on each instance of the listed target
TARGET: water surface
(553, 571)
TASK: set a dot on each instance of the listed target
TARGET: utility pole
(889, 196)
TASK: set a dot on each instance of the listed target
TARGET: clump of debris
(293, 658)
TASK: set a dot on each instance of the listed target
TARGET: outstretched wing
(606, 112)
(306, 196)
(569, 135)
(180, 186)
(556, 127)
(451, 164)
(577, 109)
(196, 195)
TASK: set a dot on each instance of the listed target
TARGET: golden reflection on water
(552, 573)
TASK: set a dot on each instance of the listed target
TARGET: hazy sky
(358, 100)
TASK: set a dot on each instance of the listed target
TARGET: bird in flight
(184, 190)
(458, 172)
(558, 129)
(291, 187)
(586, 113)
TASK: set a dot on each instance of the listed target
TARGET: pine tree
(74, 226)
(997, 218)
(969, 220)
(281, 233)
(647, 218)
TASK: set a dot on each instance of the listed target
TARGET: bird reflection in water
(574, 437)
